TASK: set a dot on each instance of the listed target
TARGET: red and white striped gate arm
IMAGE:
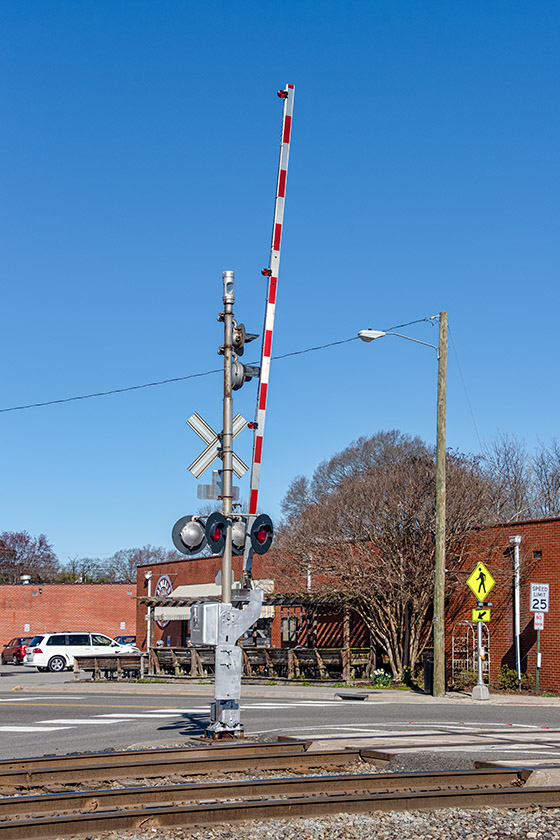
(272, 273)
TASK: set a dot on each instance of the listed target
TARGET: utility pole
(439, 572)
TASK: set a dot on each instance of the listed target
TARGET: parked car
(125, 640)
(56, 651)
(14, 651)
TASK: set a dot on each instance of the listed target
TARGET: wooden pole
(439, 572)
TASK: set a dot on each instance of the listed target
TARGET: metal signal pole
(227, 434)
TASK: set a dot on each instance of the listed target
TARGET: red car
(14, 651)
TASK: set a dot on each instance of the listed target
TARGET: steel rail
(115, 757)
(150, 767)
(204, 814)
(103, 800)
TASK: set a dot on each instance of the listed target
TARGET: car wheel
(42, 669)
(18, 661)
(4, 660)
(57, 663)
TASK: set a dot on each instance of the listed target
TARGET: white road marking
(139, 716)
(19, 699)
(31, 728)
(180, 711)
(79, 721)
(307, 705)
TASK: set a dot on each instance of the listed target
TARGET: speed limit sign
(539, 597)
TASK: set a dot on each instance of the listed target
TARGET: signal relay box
(204, 623)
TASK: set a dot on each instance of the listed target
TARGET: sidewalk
(58, 683)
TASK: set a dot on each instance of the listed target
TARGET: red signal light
(216, 534)
(216, 527)
(262, 533)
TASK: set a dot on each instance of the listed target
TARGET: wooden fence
(258, 663)
(283, 663)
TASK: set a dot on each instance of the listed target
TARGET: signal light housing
(238, 531)
(242, 373)
(189, 535)
(241, 337)
(262, 534)
(216, 527)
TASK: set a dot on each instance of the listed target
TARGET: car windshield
(98, 639)
(36, 640)
(26, 640)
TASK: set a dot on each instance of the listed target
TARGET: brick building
(539, 551)
(308, 623)
(108, 608)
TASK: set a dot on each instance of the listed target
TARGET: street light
(439, 572)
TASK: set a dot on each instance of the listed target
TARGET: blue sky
(140, 144)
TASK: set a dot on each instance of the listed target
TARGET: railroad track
(150, 764)
(73, 813)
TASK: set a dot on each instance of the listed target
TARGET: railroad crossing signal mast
(221, 624)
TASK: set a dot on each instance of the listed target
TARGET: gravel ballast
(448, 824)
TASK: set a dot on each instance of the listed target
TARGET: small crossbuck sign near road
(480, 582)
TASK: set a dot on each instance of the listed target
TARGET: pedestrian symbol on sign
(481, 577)
(480, 582)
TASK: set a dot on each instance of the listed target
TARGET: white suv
(56, 651)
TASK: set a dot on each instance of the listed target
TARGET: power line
(465, 388)
(184, 378)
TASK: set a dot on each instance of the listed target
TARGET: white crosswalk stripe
(31, 728)
(77, 721)
(19, 699)
(132, 716)
(309, 704)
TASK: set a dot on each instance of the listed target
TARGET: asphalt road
(37, 718)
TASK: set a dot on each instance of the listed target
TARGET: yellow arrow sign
(480, 582)
(483, 614)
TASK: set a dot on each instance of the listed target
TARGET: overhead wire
(465, 388)
(188, 376)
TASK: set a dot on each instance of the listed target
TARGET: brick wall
(185, 572)
(539, 537)
(100, 607)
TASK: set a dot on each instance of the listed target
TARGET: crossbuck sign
(212, 451)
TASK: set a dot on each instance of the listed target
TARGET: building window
(537, 555)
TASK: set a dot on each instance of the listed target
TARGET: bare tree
(370, 530)
(81, 570)
(121, 566)
(528, 483)
(27, 555)
(547, 480)
(509, 465)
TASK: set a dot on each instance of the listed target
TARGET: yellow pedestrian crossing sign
(480, 582)
(482, 614)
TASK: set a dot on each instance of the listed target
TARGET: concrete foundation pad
(480, 692)
(545, 777)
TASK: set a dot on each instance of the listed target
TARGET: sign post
(540, 603)
(480, 582)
